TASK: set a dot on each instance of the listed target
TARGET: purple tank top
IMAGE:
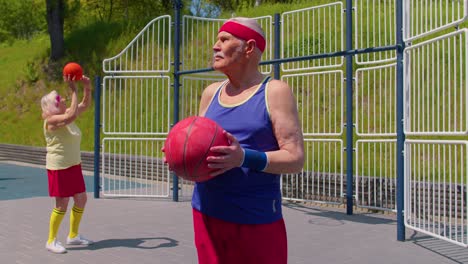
(242, 195)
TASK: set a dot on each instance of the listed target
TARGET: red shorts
(66, 182)
(221, 242)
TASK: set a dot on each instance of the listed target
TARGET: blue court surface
(19, 182)
(153, 231)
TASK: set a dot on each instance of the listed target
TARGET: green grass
(15, 57)
(264, 10)
(19, 113)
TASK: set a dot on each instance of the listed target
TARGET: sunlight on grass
(14, 59)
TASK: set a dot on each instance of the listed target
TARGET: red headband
(244, 32)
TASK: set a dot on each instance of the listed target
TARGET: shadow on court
(150, 231)
(339, 216)
(440, 247)
(329, 218)
(141, 243)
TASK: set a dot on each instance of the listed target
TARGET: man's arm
(287, 129)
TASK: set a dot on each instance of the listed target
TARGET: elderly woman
(63, 161)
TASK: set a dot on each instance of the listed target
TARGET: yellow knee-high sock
(75, 219)
(55, 219)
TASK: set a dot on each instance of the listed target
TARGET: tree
(55, 10)
(130, 10)
(21, 19)
(201, 8)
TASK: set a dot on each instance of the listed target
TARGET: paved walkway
(130, 231)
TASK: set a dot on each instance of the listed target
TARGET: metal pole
(349, 108)
(177, 22)
(400, 132)
(97, 133)
(308, 57)
(276, 66)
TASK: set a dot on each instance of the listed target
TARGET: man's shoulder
(277, 85)
(211, 89)
(214, 86)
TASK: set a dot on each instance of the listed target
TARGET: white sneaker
(55, 247)
(79, 240)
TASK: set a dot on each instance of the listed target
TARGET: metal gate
(136, 115)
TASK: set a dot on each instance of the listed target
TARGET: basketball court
(160, 231)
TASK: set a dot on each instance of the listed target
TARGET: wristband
(253, 159)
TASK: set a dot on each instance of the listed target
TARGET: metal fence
(405, 76)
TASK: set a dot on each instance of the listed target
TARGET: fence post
(177, 21)
(349, 108)
(277, 37)
(400, 132)
(97, 133)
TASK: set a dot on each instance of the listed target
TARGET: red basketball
(188, 144)
(74, 70)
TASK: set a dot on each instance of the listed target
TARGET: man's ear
(251, 45)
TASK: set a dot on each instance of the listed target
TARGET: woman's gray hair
(49, 104)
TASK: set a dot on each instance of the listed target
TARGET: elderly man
(237, 214)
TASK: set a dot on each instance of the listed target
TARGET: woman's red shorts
(66, 182)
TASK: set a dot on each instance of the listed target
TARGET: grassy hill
(26, 73)
(20, 90)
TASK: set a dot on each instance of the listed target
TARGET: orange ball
(74, 70)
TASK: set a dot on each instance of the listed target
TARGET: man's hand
(230, 156)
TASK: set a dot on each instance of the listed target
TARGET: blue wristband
(256, 160)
